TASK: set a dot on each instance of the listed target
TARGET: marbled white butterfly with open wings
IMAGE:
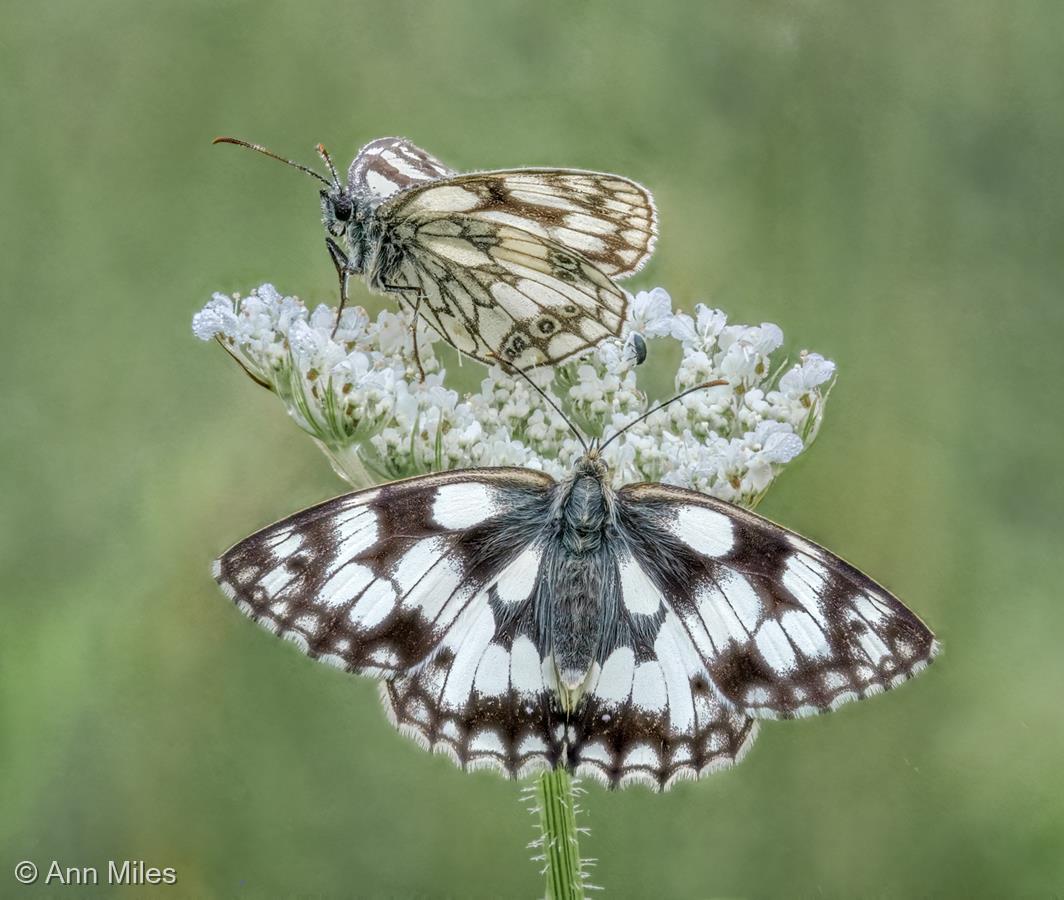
(515, 264)
(519, 623)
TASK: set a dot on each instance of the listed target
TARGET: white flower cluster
(359, 392)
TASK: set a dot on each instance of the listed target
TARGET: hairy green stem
(561, 847)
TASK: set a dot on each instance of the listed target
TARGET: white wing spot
(648, 688)
(535, 198)
(719, 618)
(446, 198)
(678, 663)
(462, 505)
(834, 680)
(578, 240)
(704, 530)
(381, 186)
(615, 681)
(513, 301)
(469, 638)
(486, 742)
(590, 224)
(532, 744)
(564, 344)
(806, 634)
(357, 533)
(641, 755)
(775, 648)
(804, 577)
(415, 564)
(596, 752)
(519, 577)
(457, 250)
(288, 546)
(514, 221)
(374, 606)
(493, 673)
(525, 674)
(344, 586)
(742, 597)
(639, 594)
(758, 696)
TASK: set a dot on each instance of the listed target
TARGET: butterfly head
(338, 207)
(338, 210)
(592, 464)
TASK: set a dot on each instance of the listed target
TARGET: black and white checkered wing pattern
(783, 627)
(650, 713)
(609, 220)
(386, 166)
(492, 290)
(405, 582)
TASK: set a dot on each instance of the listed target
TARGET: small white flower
(650, 313)
(702, 331)
(811, 372)
(216, 318)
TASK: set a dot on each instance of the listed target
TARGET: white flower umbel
(359, 393)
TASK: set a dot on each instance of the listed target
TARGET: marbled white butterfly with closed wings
(515, 264)
(519, 623)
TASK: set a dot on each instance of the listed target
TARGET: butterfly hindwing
(485, 698)
(784, 627)
(497, 291)
(650, 714)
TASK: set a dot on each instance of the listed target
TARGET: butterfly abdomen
(576, 615)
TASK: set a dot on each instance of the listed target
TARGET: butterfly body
(634, 635)
(578, 584)
(515, 264)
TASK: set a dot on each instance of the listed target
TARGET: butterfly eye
(342, 208)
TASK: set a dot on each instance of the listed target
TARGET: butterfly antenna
(260, 149)
(324, 154)
(698, 387)
(545, 396)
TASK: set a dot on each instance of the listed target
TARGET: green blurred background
(883, 180)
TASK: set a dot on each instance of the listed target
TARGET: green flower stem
(561, 847)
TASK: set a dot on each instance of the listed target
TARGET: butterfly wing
(404, 582)
(492, 290)
(783, 627)
(609, 220)
(386, 166)
(650, 713)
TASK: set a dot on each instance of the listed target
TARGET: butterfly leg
(401, 290)
(343, 272)
(413, 332)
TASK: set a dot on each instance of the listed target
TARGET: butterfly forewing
(611, 221)
(784, 627)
